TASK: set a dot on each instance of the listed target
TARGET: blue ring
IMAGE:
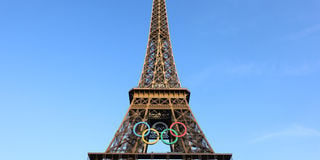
(135, 126)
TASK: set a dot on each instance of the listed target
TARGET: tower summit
(159, 70)
(159, 109)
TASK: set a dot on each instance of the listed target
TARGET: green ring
(161, 136)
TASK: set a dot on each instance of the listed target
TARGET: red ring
(185, 129)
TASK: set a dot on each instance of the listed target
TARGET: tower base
(135, 156)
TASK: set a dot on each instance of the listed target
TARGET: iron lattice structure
(160, 101)
(159, 70)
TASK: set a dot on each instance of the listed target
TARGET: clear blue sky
(252, 66)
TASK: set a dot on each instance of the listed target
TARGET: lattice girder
(161, 105)
(159, 69)
(160, 101)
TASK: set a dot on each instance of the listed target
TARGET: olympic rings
(152, 129)
(148, 130)
(176, 135)
(135, 126)
(161, 135)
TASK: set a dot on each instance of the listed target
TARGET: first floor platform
(170, 155)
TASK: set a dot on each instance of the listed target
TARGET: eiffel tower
(158, 102)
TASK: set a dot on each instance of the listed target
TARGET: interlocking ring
(143, 135)
(168, 143)
(148, 130)
(135, 126)
(176, 135)
(157, 123)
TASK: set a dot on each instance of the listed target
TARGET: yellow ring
(152, 129)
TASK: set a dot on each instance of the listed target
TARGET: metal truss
(160, 101)
(165, 106)
(159, 69)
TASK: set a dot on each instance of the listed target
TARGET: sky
(252, 66)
